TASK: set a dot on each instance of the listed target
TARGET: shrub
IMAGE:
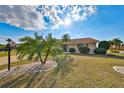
(104, 44)
(72, 50)
(100, 51)
(84, 50)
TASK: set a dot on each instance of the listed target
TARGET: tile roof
(82, 40)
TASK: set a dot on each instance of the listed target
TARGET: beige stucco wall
(92, 46)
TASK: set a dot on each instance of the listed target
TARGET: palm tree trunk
(119, 47)
(48, 51)
(41, 60)
(115, 47)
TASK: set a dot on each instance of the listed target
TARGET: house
(76, 43)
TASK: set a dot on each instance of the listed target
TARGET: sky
(99, 22)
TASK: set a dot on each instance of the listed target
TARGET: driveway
(4, 60)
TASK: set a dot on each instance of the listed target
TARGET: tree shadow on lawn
(12, 81)
(25, 80)
(33, 78)
(101, 55)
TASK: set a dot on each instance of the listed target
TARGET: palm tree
(31, 47)
(51, 46)
(37, 47)
(63, 67)
(66, 37)
(111, 42)
(117, 42)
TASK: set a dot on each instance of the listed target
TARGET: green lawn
(4, 66)
(2, 54)
(23, 62)
(86, 71)
(115, 54)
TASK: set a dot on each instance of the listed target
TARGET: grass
(3, 54)
(87, 71)
(4, 66)
(115, 54)
(23, 62)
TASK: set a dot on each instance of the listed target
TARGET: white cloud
(75, 13)
(3, 38)
(27, 17)
(21, 16)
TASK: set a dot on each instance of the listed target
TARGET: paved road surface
(4, 60)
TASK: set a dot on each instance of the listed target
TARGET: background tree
(104, 44)
(117, 43)
(66, 38)
(9, 41)
(111, 42)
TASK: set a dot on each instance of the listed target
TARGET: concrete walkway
(119, 69)
(4, 60)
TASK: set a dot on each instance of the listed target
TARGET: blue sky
(106, 23)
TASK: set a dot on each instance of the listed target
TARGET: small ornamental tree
(37, 47)
(104, 44)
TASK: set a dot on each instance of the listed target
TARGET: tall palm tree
(111, 42)
(117, 42)
(66, 37)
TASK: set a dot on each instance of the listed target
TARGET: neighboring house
(76, 43)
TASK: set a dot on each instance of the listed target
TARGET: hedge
(100, 51)
(84, 50)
